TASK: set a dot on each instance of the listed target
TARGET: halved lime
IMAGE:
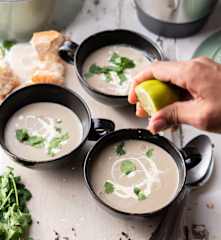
(153, 95)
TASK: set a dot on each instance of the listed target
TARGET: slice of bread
(47, 44)
(49, 72)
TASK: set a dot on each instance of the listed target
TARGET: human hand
(201, 77)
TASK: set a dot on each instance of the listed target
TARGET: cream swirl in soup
(43, 131)
(111, 69)
(135, 176)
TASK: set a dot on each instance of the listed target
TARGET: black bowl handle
(191, 156)
(100, 127)
(67, 51)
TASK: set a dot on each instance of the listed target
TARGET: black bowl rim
(112, 31)
(28, 162)
(148, 214)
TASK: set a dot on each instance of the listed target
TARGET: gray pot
(174, 18)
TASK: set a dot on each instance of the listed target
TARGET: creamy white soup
(135, 176)
(43, 131)
(111, 69)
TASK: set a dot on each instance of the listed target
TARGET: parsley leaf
(119, 65)
(22, 134)
(108, 77)
(120, 149)
(127, 167)
(122, 78)
(140, 193)
(149, 152)
(15, 218)
(108, 187)
(56, 143)
(95, 69)
(35, 141)
(123, 62)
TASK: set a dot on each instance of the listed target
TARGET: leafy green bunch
(15, 218)
(118, 65)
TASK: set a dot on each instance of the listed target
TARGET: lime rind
(153, 95)
(147, 102)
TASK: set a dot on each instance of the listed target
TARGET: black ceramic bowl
(185, 159)
(93, 129)
(77, 54)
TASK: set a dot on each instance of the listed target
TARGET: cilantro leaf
(35, 141)
(127, 167)
(149, 152)
(22, 134)
(56, 143)
(137, 190)
(95, 69)
(123, 62)
(15, 218)
(108, 187)
(140, 194)
(122, 78)
(119, 65)
(120, 149)
(108, 77)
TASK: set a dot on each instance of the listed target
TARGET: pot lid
(211, 48)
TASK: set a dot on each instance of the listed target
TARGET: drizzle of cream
(151, 176)
(41, 126)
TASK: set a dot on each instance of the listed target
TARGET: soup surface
(135, 176)
(111, 69)
(43, 131)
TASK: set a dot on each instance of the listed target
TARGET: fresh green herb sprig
(108, 187)
(149, 152)
(127, 167)
(119, 65)
(15, 218)
(120, 150)
(55, 143)
(23, 136)
(140, 194)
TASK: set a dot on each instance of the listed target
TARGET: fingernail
(157, 126)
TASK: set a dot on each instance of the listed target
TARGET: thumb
(179, 112)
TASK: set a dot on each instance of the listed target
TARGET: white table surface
(61, 201)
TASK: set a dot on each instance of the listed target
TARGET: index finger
(165, 71)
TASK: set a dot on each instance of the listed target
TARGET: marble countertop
(61, 203)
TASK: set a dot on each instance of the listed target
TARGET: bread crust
(51, 68)
(8, 80)
(47, 44)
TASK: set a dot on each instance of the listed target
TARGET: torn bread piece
(8, 80)
(47, 44)
(50, 67)
(49, 72)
